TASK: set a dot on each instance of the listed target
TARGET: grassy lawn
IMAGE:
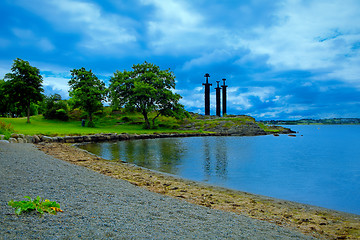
(39, 125)
(118, 123)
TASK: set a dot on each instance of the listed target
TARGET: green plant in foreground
(35, 204)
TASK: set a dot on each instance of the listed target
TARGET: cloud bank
(282, 59)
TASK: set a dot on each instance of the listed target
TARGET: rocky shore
(21, 138)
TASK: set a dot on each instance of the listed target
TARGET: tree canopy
(147, 89)
(23, 86)
(87, 91)
(55, 108)
(3, 98)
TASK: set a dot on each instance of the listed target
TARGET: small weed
(35, 204)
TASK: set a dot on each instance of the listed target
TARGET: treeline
(315, 121)
(146, 89)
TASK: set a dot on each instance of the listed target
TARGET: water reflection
(162, 155)
(221, 158)
(170, 155)
(207, 159)
(215, 158)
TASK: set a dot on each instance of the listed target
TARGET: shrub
(55, 108)
(91, 124)
(77, 114)
(61, 114)
(6, 129)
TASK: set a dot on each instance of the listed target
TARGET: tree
(55, 108)
(147, 89)
(3, 98)
(24, 85)
(87, 91)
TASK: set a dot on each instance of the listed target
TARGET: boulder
(20, 140)
(87, 138)
(123, 136)
(58, 139)
(29, 139)
(47, 139)
(36, 139)
(14, 135)
(78, 139)
(12, 140)
(68, 139)
(4, 141)
(113, 137)
(100, 137)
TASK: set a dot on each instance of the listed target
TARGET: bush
(91, 124)
(6, 129)
(61, 114)
(77, 114)
(55, 108)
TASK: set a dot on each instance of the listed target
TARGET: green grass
(270, 129)
(108, 124)
(115, 123)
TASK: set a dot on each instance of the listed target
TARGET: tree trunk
(147, 123)
(28, 113)
(153, 120)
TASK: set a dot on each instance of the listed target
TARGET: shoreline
(315, 221)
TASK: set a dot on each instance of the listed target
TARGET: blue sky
(284, 59)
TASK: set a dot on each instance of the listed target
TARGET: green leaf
(18, 211)
(36, 204)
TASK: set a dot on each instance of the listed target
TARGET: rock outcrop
(101, 137)
(233, 125)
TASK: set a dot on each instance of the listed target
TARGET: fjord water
(320, 166)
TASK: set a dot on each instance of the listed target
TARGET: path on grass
(100, 207)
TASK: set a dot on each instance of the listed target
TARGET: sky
(283, 59)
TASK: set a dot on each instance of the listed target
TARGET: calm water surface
(321, 167)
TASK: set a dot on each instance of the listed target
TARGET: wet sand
(310, 220)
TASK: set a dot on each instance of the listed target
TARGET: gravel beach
(100, 207)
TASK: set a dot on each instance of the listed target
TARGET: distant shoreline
(330, 121)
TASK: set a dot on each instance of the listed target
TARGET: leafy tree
(55, 108)
(147, 89)
(24, 85)
(88, 91)
(3, 99)
(8, 106)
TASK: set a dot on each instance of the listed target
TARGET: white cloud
(177, 27)
(311, 35)
(55, 77)
(101, 31)
(240, 98)
(100, 28)
(217, 56)
(57, 84)
(27, 37)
